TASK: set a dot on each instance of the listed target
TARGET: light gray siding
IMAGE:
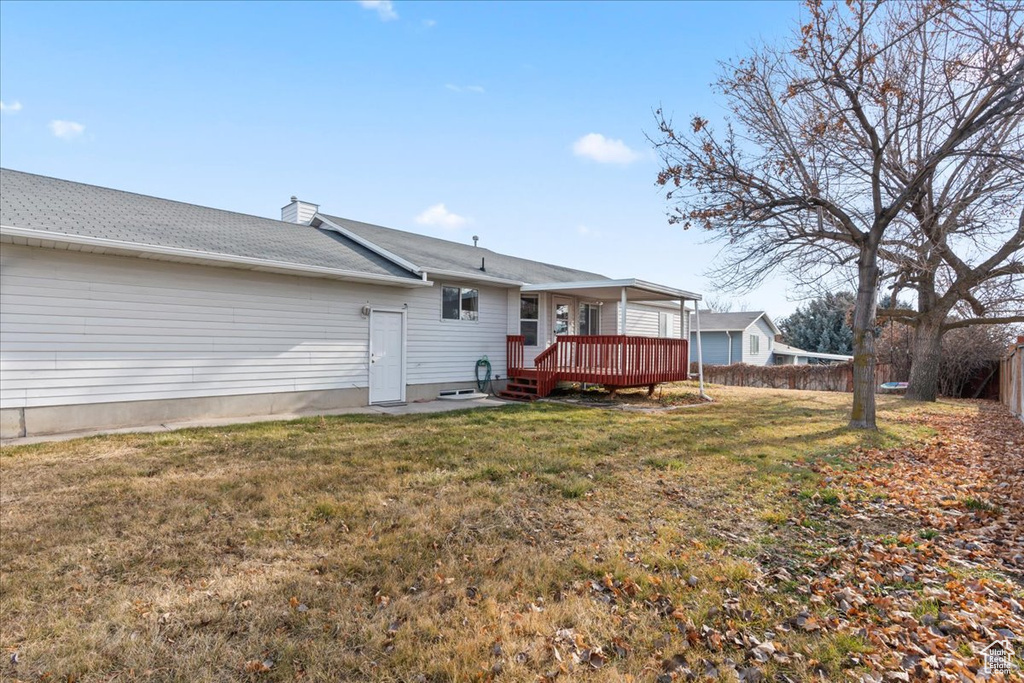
(641, 320)
(81, 328)
(766, 339)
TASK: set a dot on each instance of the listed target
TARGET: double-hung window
(459, 303)
(755, 344)
(529, 319)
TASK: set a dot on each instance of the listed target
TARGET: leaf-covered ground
(754, 539)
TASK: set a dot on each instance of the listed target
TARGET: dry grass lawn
(509, 543)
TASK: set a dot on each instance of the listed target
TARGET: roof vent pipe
(475, 238)
(482, 264)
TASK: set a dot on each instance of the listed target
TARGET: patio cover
(638, 291)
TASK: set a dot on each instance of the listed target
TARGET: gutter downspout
(700, 356)
(728, 336)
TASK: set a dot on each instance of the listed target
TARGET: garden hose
(483, 385)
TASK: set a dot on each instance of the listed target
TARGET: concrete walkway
(438, 406)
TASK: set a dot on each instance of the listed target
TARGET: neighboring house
(121, 309)
(791, 355)
(743, 337)
(749, 337)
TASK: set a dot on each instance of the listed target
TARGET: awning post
(622, 331)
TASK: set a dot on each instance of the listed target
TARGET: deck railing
(514, 353)
(615, 361)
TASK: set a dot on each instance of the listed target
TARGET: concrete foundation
(27, 422)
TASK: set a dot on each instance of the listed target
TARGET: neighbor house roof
(710, 321)
(39, 207)
(444, 257)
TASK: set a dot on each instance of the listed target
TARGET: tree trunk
(863, 414)
(924, 368)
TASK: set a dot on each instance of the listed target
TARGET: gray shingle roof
(718, 322)
(432, 253)
(42, 203)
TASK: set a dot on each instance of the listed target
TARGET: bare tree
(962, 257)
(800, 176)
(718, 304)
(722, 304)
(968, 354)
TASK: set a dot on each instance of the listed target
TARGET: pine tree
(822, 325)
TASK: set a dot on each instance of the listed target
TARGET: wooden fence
(809, 377)
(1011, 379)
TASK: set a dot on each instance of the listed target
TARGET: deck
(613, 361)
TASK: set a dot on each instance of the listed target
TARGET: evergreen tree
(822, 325)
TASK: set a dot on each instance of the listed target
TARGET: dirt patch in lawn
(755, 537)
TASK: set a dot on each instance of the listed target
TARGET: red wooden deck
(612, 360)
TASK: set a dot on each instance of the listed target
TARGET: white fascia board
(667, 305)
(460, 275)
(775, 329)
(771, 325)
(362, 241)
(634, 283)
(810, 354)
(670, 291)
(826, 356)
(224, 260)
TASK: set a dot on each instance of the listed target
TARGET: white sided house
(120, 310)
(750, 337)
(741, 337)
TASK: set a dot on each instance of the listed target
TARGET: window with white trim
(529, 319)
(755, 344)
(590, 319)
(459, 303)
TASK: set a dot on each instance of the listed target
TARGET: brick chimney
(298, 211)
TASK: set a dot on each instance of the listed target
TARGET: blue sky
(521, 122)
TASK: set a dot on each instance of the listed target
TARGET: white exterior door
(387, 356)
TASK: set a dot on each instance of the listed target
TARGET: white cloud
(66, 130)
(604, 150)
(384, 8)
(429, 23)
(12, 107)
(478, 89)
(439, 216)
